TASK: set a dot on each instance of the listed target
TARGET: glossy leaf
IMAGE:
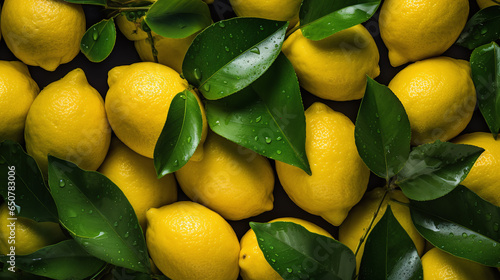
(23, 183)
(178, 18)
(91, 2)
(382, 131)
(322, 18)
(99, 40)
(266, 117)
(389, 252)
(482, 28)
(296, 253)
(462, 224)
(435, 169)
(485, 67)
(180, 135)
(120, 273)
(231, 54)
(98, 215)
(64, 260)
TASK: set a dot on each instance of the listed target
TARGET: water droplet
(464, 234)
(119, 252)
(134, 243)
(256, 138)
(268, 140)
(226, 48)
(189, 139)
(496, 226)
(258, 119)
(115, 224)
(176, 163)
(221, 24)
(261, 27)
(183, 96)
(127, 234)
(206, 87)
(255, 50)
(451, 234)
(90, 211)
(278, 152)
(273, 260)
(95, 34)
(62, 183)
(376, 115)
(378, 130)
(484, 30)
(271, 247)
(289, 270)
(261, 239)
(278, 138)
(197, 74)
(225, 82)
(231, 35)
(120, 218)
(398, 118)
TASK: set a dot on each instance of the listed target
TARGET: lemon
(253, 264)
(67, 120)
(189, 241)
(28, 236)
(487, 3)
(131, 29)
(268, 9)
(439, 97)
(484, 178)
(137, 103)
(415, 30)
(235, 182)
(358, 220)
(135, 175)
(43, 33)
(438, 265)
(17, 92)
(339, 176)
(334, 68)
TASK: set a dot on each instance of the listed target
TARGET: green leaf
(178, 18)
(120, 273)
(90, 2)
(389, 252)
(322, 18)
(435, 169)
(462, 224)
(231, 54)
(485, 67)
(99, 40)
(382, 131)
(296, 253)
(482, 28)
(180, 135)
(24, 185)
(98, 215)
(64, 260)
(266, 117)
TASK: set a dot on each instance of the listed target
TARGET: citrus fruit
(189, 241)
(268, 9)
(334, 68)
(487, 3)
(339, 176)
(130, 26)
(43, 33)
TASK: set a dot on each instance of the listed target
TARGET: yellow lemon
(438, 95)
(235, 182)
(137, 103)
(334, 68)
(17, 92)
(135, 175)
(43, 33)
(484, 178)
(189, 241)
(439, 265)
(67, 120)
(358, 220)
(414, 30)
(26, 235)
(253, 264)
(487, 3)
(268, 9)
(131, 29)
(339, 176)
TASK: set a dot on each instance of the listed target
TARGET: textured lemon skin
(486, 3)
(439, 97)
(67, 120)
(137, 103)
(361, 215)
(189, 241)
(339, 176)
(135, 175)
(17, 92)
(415, 30)
(484, 178)
(253, 264)
(235, 182)
(334, 68)
(43, 33)
(268, 9)
(30, 236)
(131, 30)
(439, 265)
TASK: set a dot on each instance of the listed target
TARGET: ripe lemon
(131, 29)
(487, 3)
(68, 121)
(415, 30)
(189, 241)
(339, 176)
(268, 9)
(438, 265)
(235, 182)
(334, 68)
(484, 178)
(438, 95)
(135, 175)
(17, 92)
(43, 33)
(27, 235)
(253, 264)
(137, 103)
(358, 220)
